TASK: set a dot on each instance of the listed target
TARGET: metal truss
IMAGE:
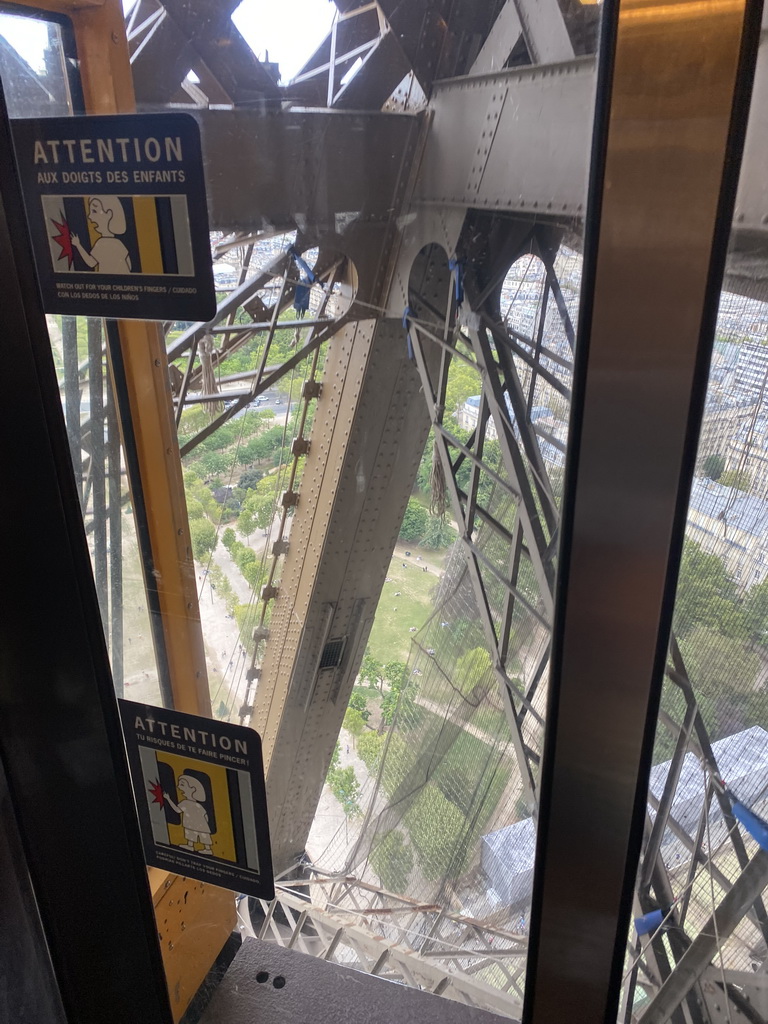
(510, 543)
(518, 525)
(355, 923)
(738, 924)
(169, 40)
(256, 317)
(374, 50)
(673, 968)
(345, 920)
(95, 450)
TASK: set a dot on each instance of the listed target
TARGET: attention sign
(117, 213)
(200, 796)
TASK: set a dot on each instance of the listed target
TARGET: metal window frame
(636, 374)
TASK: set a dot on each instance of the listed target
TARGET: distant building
(748, 451)
(742, 760)
(551, 432)
(733, 525)
(507, 855)
(468, 414)
(751, 377)
(725, 415)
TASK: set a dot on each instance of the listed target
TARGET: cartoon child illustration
(108, 255)
(194, 817)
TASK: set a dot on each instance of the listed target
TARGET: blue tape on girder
(301, 263)
(457, 266)
(756, 827)
(649, 922)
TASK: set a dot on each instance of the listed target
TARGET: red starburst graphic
(64, 240)
(157, 793)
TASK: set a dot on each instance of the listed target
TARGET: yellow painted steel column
(105, 72)
(146, 374)
(102, 49)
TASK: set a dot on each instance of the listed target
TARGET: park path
(226, 657)
(441, 711)
(433, 561)
(325, 844)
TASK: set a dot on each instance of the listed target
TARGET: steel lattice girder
(396, 938)
(202, 37)
(693, 733)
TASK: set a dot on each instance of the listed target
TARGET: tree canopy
(713, 466)
(414, 522)
(392, 860)
(203, 536)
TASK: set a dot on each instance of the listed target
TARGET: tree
(345, 787)
(214, 464)
(740, 479)
(249, 479)
(247, 556)
(264, 511)
(354, 723)
(258, 510)
(438, 832)
(402, 701)
(253, 574)
(438, 534)
(195, 509)
(414, 522)
(463, 381)
(401, 695)
(396, 674)
(474, 673)
(228, 538)
(369, 748)
(705, 592)
(392, 861)
(371, 670)
(755, 612)
(713, 466)
(357, 702)
(203, 535)
(723, 671)
(245, 521)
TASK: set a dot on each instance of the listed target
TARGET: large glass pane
(372, 434)
(710, 767)
(36, 61)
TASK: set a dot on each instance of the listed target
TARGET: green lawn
(390, 639)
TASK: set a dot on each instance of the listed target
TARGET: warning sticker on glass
(117, 214)
(200, 796)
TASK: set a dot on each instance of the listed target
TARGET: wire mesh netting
(447, 798)
(448, 819)
(714, 708)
